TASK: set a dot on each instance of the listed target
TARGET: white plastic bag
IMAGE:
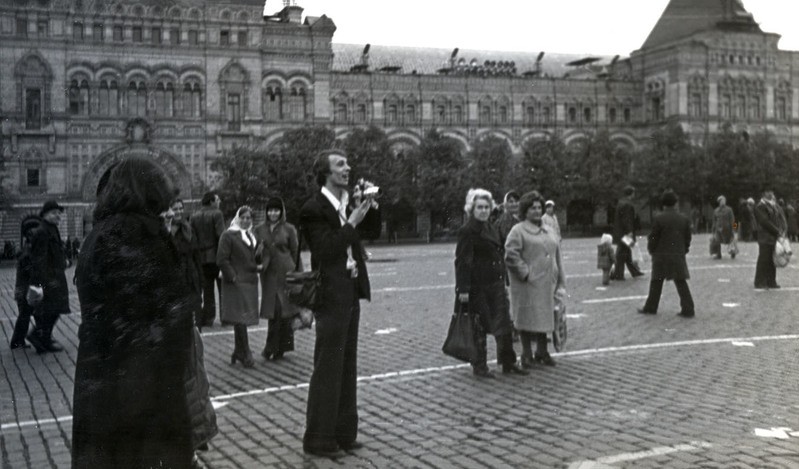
(782, 252)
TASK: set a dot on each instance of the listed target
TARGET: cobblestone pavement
(631, 391)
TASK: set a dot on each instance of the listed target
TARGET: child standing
(605, 257)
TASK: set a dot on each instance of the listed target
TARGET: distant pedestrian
(696, 219)
(668, 245)
(536, 273)
(208, 225)
(278, 244)
(771, 225)
(605, 257)
(26, 303)
(750, 202)
(509, 216)
(550, 220)
(130, 402)
(723, 221)
(239, 306)
(75, 248)
(480, 275)
(793, 222)
(624, 235)
(48, 262)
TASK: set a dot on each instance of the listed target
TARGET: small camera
(371, 191)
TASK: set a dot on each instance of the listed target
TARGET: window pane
(77, 31)
(156, 36)
(242, 38)
(193, 37)
(33, 108)
(224, 38)
(137, 34)
(118, 34)
(22, 27)
(33, 178)
(98, 32)
(42, 28)
(174, 36)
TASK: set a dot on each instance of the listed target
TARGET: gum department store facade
(84, 83)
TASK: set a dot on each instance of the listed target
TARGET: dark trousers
(624, 256)
(506, 356)
(210, 282)
(242, 341)
(332, 413)
(280, 336)
(656, 289)
(44, 322)
(765, 270)
(22, 324)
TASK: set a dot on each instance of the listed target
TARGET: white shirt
(340, 206)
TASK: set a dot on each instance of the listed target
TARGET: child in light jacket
(605, 257)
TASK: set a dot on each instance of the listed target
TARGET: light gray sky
(569, 26)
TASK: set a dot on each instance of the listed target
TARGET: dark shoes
(544, 359)
(355, 445)
(43, 345)
(514, 370)
(484, 373)
(638, 274)
(245, 359)
(683, 314)
(16, 345)
(773, 287)
(326, 451)
(646, 311)
(272, 355)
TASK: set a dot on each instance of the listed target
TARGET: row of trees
(435, 175)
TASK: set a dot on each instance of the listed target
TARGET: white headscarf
(235, 225)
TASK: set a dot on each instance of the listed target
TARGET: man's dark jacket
(668, 244)
(625, 220)
(208, 224)
(328, 239)
(48, 261)
(771, 220)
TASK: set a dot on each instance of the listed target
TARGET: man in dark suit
(208, 225)
(47, 278)
(668, 244)
(334, 236)
(772, 224)
(624, 228)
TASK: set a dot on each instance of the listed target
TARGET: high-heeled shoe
(544, 359)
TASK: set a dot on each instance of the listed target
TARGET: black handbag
(303, 289)
(461, 342)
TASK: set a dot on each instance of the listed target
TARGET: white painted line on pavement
(724, 280)
(230, 331)
(611, 300)
(775, 432)
(606, 461)
(390, 330)
(731, 305)
(777, 289)
(739, 343)
(438, 369)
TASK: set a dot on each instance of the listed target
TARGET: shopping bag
(782, 252)
(461, 341)
(715, 245)
(560, 334)
(637, 255)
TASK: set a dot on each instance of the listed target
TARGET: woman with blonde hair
(236, 259)
(480, 282)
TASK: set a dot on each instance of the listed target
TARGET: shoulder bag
(303, 289)
(461, 341)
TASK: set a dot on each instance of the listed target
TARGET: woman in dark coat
(236, 259)
(480, 282)
(27, 226)
(203, 416)
(277, 240)
(723, 220)
(130, 403)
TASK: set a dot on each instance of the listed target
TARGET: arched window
(503, 114)
(273, 102)
(196, 100)
(529, 115)
(103, 98)
(440, 117)
(84, 98)
(360, 113)
(410, 114)
(297, 103)
(457, 114)
(169, 100)
(485, 115)
(572, 115)
(781, 108)
(391, 114)
(74, 98)
(341, 113)
(587, 115)
(612, 115)
(113, 98)
(141, 100)
(132, 99)
(160, 99)
(546, 114)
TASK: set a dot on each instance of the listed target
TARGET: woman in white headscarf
(239, 305)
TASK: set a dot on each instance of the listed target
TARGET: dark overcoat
(723, 220)
(135, 339)
(329, 241)
(236, 260)
(280, 245)
(188, 255)
(208, 224)
(771, 222)
(48, 263)
(668, 244)
(480, 271)
(625, 220)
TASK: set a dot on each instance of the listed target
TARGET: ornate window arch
(34, 80)
(234, 87)
(782, 100)
(530, 111)
(485, 110)
(361, 108)
(341, 108)
(410, 111)
(164, 98)
(655, 90)
(298, 102)
(137, 98)
(697, 96)
(441, 110)
(457, 110)
(392, 106)
(108, 97)
(504, 110)
(32, 172)
(273, 101)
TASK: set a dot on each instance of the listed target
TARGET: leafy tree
(490, 164)
(244, 172)
(668, 160)
(436, 169)
(290, 174)
(542, 167)
(597, 170)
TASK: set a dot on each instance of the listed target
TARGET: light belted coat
(533, 259)
(280, 245)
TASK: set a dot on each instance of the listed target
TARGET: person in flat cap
(668, 245)
(48, 259)
(551, 220)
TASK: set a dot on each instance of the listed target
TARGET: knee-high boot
(527, 348)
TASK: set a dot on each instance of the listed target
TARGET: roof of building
(683, 18)
(428, 60)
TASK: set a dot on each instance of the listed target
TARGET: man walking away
(668, 244)
(208, 225)
(624, 233)
(771, 225)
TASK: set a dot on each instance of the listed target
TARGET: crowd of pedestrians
(148, 279)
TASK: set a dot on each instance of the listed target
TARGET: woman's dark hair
(135, 185)
(208, 197)
(176, 200)
(527, 201)
(321, 165)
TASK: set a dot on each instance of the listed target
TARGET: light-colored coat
(533, 259)
(280, 245)
(236, 260)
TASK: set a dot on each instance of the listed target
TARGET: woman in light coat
(533, 259)
(277, 240)
(236, 259)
